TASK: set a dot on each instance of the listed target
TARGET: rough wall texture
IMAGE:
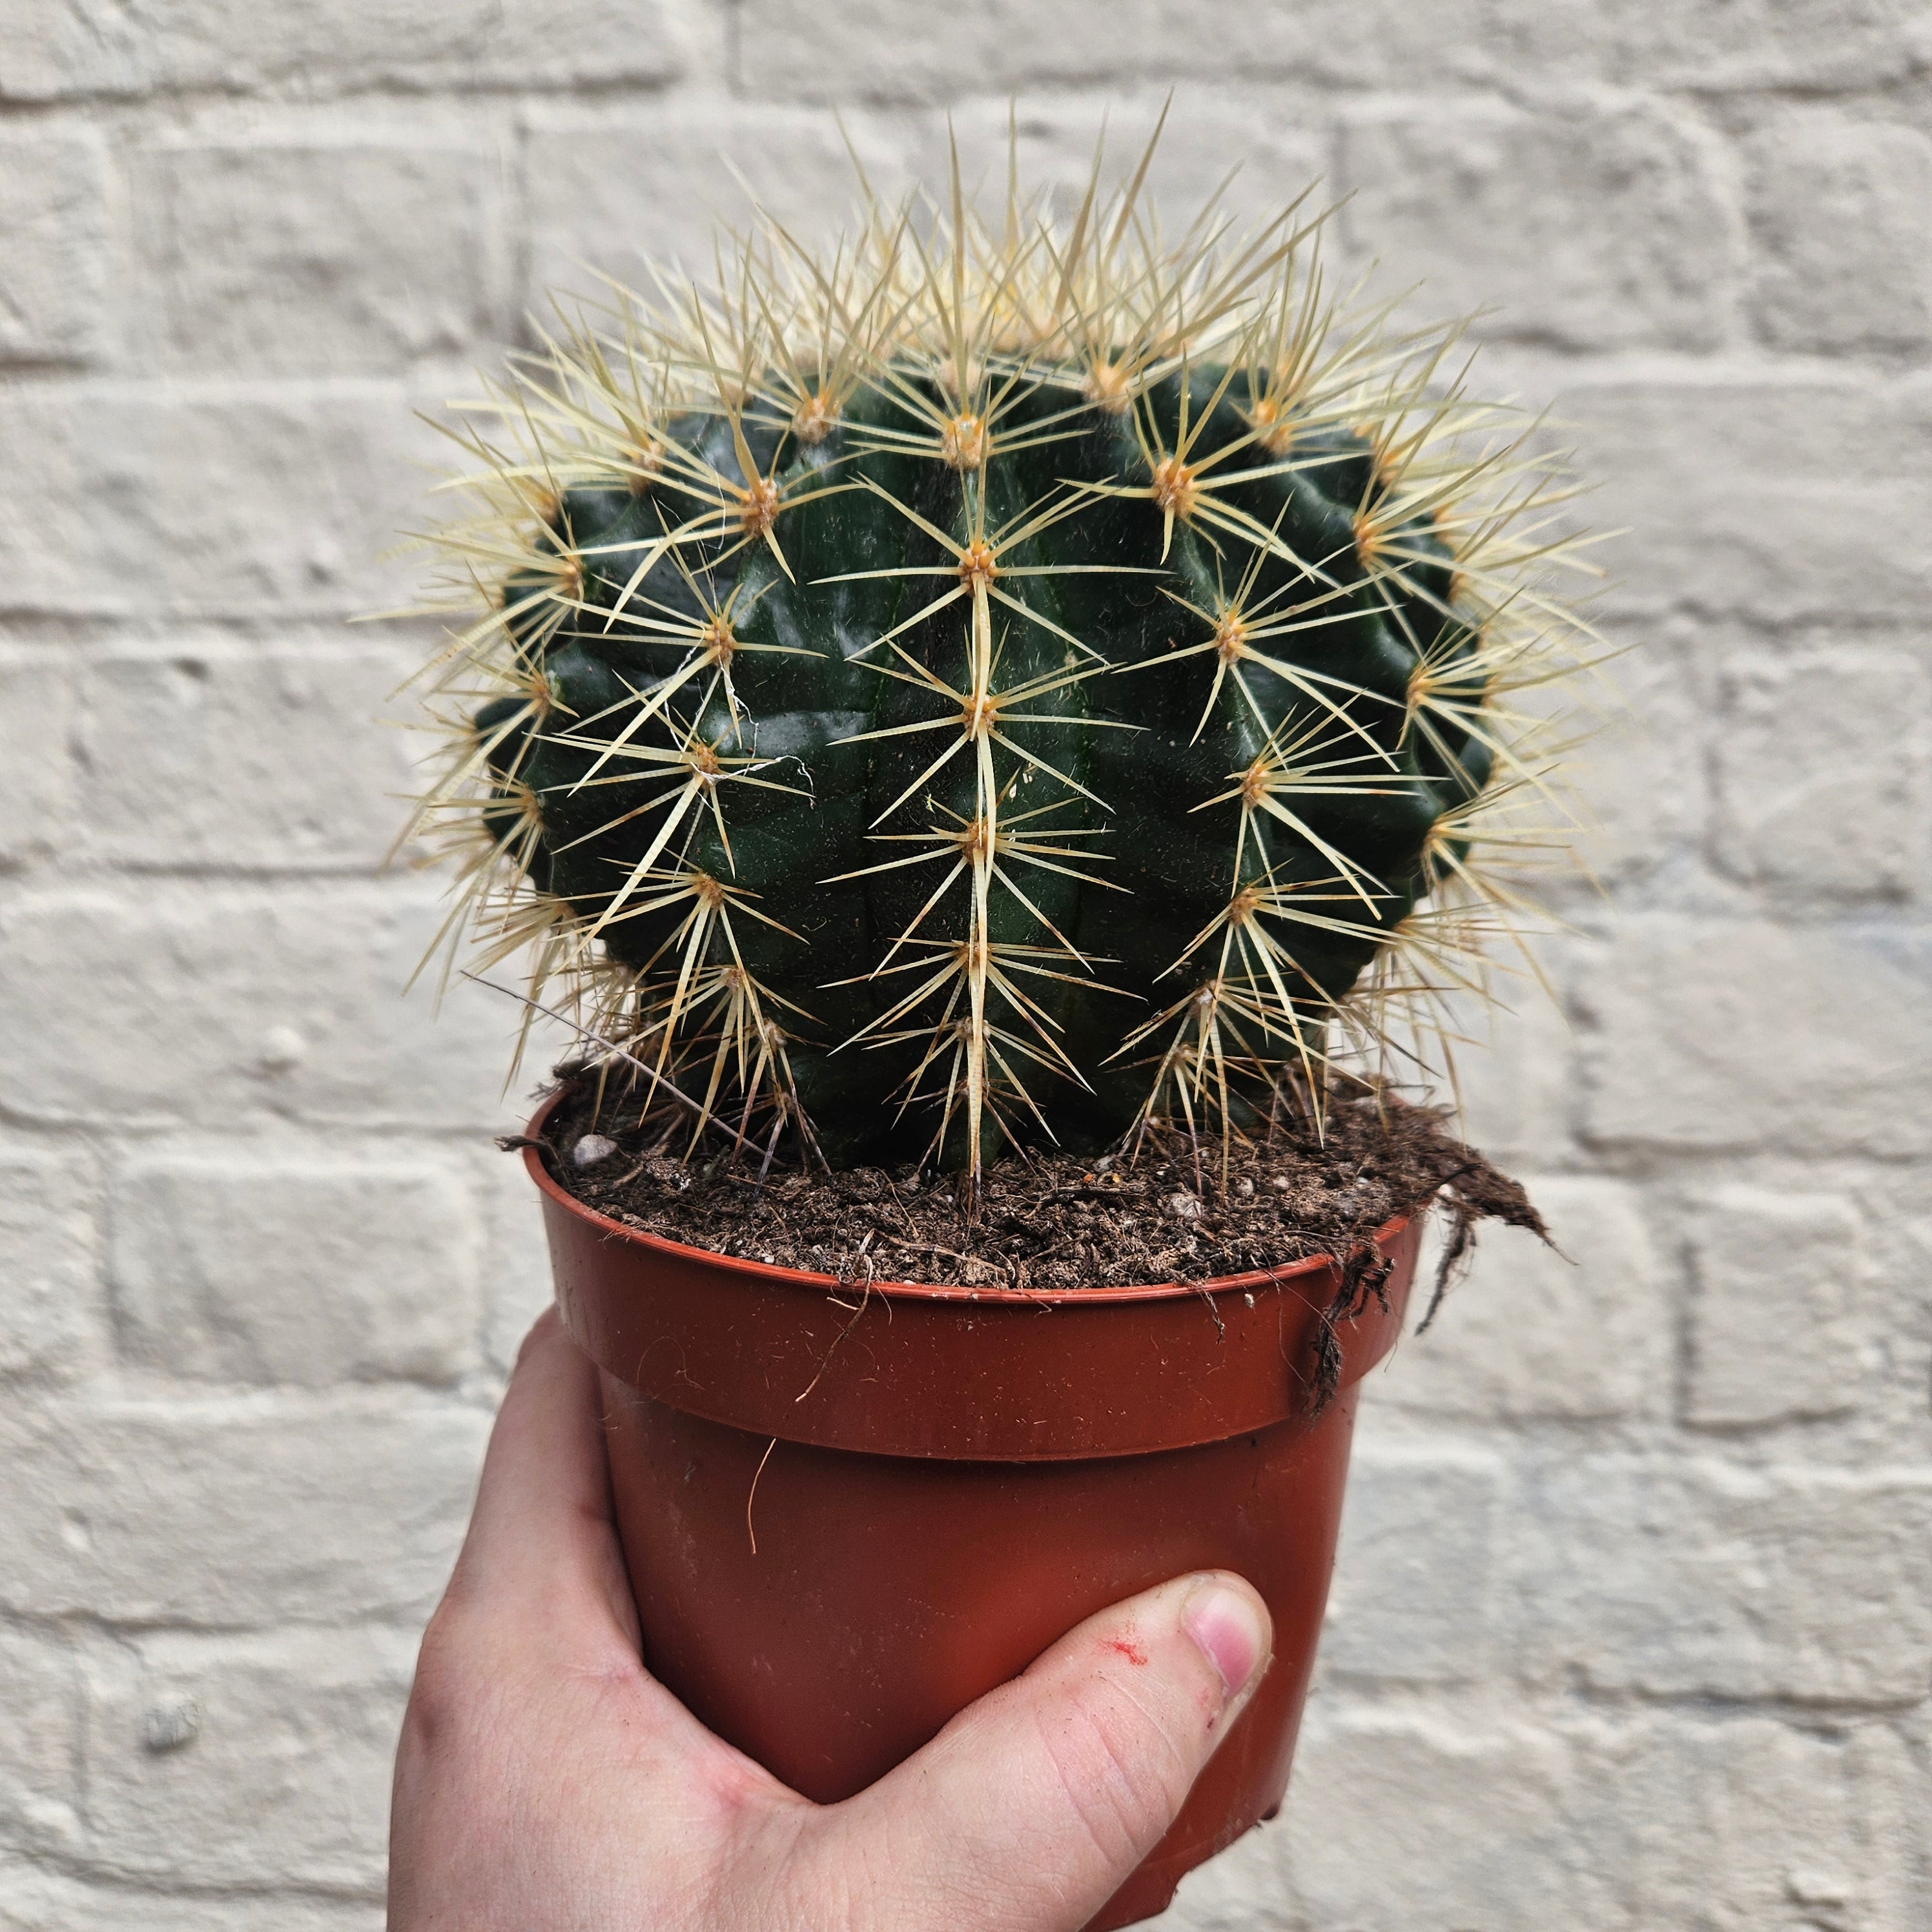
(1634, 1622)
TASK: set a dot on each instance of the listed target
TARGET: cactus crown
(1002, 677)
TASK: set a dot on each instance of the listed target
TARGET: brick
(1738, 1033)
(1638, 775)
(1728, 1824)
(301, 1270)
(1741, 1824)
(1713, 47)
(607, 189)
(282, 1777)
(209, 758)
(1440, 197)
(35, 1899)
(160, 1004)
(39, 1744)
(1840, 219)
(335, 258)
(45, 518)
(1895, 1402)
(1516, 1065)
(600, 43)
(790, 48)
(55, 1326)
(1774, 1329)
(1821, 772)
(1412, 1578)
(1785, 501)
(59, 51)
(52, 48)
(1585, 1334)
(37, 750)
(1407, 1821)
(1688, 1576)
(1736, 45)
(122, 501)
(517, 1282)
(225, 1514)
(53, 247)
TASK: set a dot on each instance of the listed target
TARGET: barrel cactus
(1002, 679)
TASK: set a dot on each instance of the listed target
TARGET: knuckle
(1121, 1778)
(442, 1692)
(833, 1879)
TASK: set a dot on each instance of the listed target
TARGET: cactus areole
(997, 679)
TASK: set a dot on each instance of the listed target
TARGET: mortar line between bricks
(142, 1131)
(115, 1135)
(90, 1623)
(116, 109)
(1397, 1693)
(120, 1881)
(1783, 1706)
(163, 104)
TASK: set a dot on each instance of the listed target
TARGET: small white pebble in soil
(1281, 1183)
(1183, 1207)
(591, 1148)
(1244, 1188)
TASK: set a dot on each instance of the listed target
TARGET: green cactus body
(1109, 736)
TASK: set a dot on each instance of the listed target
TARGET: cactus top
(1000, 677)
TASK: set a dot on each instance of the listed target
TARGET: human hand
(545, 1782)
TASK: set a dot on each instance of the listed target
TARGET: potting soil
(1170, 1212)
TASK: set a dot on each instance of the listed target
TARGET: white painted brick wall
(1634, 1625)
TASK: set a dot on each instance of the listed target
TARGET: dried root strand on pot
(998, 677)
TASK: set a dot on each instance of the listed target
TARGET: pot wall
(940, 1484)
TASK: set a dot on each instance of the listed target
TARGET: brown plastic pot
(847, 1517)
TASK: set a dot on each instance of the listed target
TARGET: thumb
(1028, 1811)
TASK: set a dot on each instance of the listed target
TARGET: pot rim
(914, 1291)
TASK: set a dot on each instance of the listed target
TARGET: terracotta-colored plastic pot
(847, 1516)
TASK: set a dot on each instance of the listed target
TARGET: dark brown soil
(1053, 1222)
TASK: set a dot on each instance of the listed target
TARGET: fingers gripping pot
(848, 1514)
